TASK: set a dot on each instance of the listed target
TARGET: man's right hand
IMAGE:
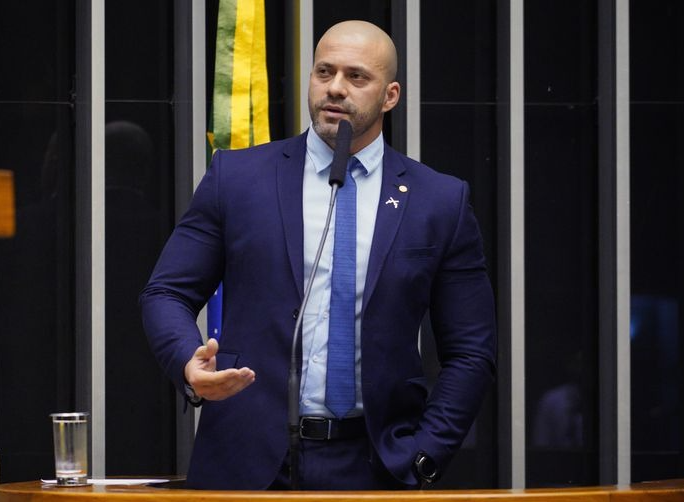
(201, 374)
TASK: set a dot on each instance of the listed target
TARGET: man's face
(348, 81)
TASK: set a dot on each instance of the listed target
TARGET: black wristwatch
(192, 396)
(425, 468)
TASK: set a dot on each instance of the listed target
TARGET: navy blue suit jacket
(244, 227)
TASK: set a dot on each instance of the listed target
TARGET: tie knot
(353, 163)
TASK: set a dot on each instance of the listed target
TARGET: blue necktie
(340, 393)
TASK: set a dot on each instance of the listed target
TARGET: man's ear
(392, 93)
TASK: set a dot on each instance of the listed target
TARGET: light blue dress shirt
(316, 198)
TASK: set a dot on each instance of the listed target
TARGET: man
(254, 223)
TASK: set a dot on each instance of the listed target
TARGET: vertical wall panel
(656, 185)
(623, 250)
(613, 218)
(142, 155)
(412, 84)
(458, 136)
(517, 228)
(89, 244)
(561, 250)
(305, 46)
(97, 254)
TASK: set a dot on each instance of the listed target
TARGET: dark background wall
(139, 209)
(36, 266)
(657, 238)
(561, 248)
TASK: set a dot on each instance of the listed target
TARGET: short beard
(328, 131)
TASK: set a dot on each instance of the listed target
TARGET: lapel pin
(392, 201)
(403, 188)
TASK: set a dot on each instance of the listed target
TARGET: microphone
(338, 171)
(338, 168)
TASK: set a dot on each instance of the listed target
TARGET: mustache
(346, 108)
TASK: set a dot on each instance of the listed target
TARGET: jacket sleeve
(186, 275)
(463, 321)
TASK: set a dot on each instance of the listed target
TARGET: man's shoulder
(286, 146)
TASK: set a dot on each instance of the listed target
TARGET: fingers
(202, 360)
(207, 351)
(217, 385)
(201, 374)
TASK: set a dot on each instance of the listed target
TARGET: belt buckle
(314, 419)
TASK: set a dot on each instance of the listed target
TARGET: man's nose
(337, 87)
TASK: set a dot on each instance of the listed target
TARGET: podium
(34, 491)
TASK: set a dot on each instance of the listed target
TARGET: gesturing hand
(200, 372)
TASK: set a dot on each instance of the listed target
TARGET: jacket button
(295, 313)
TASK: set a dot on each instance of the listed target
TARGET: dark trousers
(349, 464)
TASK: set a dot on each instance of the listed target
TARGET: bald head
(380, 46)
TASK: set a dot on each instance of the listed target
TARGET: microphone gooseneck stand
(338, 170)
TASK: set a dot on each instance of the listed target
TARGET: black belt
(322, 429)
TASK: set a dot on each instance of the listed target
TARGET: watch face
(426, 467)
(429, 467)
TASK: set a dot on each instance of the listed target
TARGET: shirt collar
(321, 154)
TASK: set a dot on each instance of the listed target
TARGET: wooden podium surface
(34, 491)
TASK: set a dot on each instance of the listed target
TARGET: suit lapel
(394, 195)
(290, 174)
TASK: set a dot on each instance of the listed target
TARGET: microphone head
(338, 168)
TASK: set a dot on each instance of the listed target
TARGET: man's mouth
(334, 110)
